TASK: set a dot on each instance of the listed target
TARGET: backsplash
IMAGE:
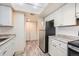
(6, 30)
(71, 31)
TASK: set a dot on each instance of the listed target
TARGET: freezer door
(42, 40)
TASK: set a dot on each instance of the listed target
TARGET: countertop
(64, 38)
(9, 36)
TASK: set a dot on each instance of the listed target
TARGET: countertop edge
(1, 43)
(66, 38)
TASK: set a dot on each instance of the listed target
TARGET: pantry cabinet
(5, 16)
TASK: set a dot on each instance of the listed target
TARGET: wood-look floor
(32, 49)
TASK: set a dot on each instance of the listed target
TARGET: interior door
(31, 31)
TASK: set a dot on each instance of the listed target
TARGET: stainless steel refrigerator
(43, 35)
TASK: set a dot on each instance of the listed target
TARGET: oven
(73, 51)
(73, 48)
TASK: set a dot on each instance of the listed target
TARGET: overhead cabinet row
(65, 16)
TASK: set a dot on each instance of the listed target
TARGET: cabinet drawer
(59, 43)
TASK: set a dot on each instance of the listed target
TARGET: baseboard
(18, 53)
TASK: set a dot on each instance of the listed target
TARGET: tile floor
(32, 49)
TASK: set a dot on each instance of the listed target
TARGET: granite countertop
(9, 36)
(64, 38)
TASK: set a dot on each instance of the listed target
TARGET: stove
(73, 48)
(74, 43)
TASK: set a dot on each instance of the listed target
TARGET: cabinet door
(8, 48)
(69, 14)
(5, 15)
(60, 51)
(9, 51)
(56, 47)
(58, 17)
(51, 49)
(77, 8)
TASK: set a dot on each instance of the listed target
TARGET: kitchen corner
(11, 26)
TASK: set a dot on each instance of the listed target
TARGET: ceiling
(50, 8)
(42, 9)
(29, 7)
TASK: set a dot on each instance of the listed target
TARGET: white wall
(19, 30)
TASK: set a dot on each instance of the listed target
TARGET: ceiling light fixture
(35, 5)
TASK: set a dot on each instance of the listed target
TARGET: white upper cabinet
(77, 8)
(58, 16)
(65, 16)
(69, 15)
(5, 16)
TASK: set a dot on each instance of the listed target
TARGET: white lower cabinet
(60, 51)
(10, 50)
(7, 49)
(57, 48)
(51, 49)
